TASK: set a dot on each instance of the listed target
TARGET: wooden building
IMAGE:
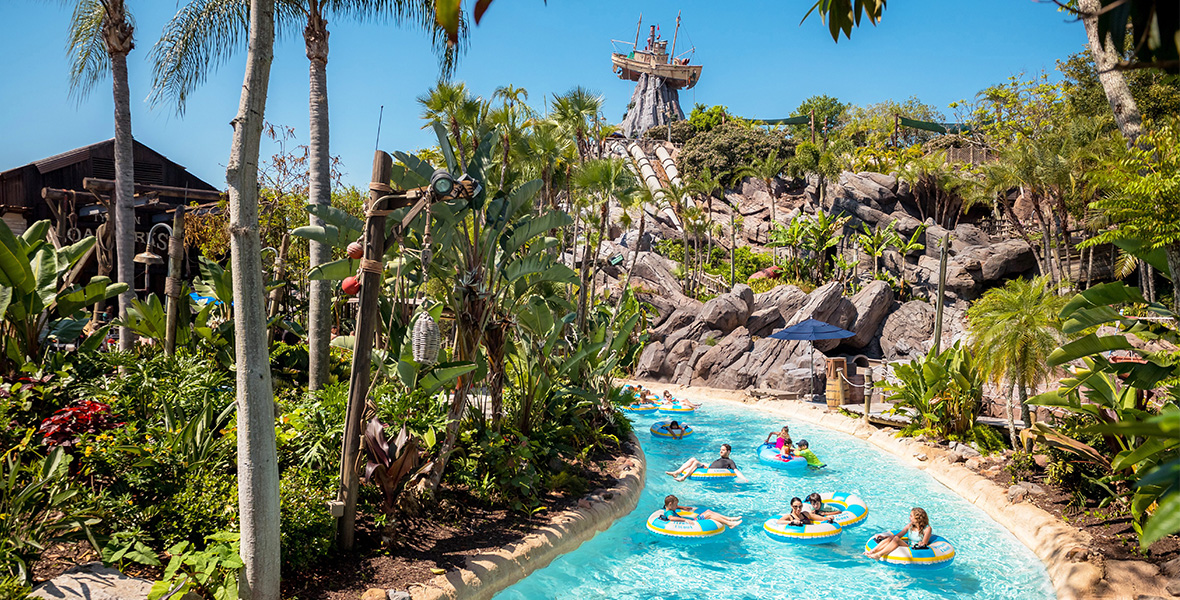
(74, 190)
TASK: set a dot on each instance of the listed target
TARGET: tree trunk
(1008, 416)
(638, 245)
(1024, 413)
(258, 472)
(124, 201)
(709, 213)
(1122, 103)
(1046, 241)
(1020, 230)
(276, 295)
(732, 246)
(467, 340)
(319, 170)
(598, 249)
(1172, 251)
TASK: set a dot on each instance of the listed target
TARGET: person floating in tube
(722, 462)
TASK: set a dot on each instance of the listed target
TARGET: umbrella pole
(811, 382)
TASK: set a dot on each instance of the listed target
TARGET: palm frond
(89, 61)
(202, 36)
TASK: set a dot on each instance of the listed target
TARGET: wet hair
(921, 517)
(727, 447)
(671, 500)
(786, 428)
(794, 500)
(814, 497)
(673, 424)
(802, 443)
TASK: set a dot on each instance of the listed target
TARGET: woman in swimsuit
(919, 533)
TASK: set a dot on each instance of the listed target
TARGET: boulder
(865, 213)
(679, 319)
(888, 182)
(695, 331)
(969, 235)
(764, 322)
(821, 303)
(843, 316)
(725, 353)
(788, 299)
(677, 355)
(651, 361)
(872, 302)
(907, 329)
(796, 373)
(92, 581)
(933, 238)
(1007, 258)
(630, 239)
(861, 187)
(729, 311)
(904, 223)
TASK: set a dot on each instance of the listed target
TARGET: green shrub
(944, 389)
(306, 526)
(207, 504)
(312, 427)
(568, 483)
(12, 588)
(727, 148)
(682, 131)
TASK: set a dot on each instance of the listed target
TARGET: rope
(372, 266)
(172, 287)
(866, 385)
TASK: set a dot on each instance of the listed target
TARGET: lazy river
(628, 562)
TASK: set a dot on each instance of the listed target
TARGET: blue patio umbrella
(811, 330)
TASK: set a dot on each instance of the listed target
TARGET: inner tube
(684, 530)
(660, 429)
(676, 408)
(640, 408)
(713, 475)
(816, 533)
(768, 454)
(853, 510)
(939, 554)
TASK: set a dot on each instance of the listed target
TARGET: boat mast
(638, 26)
(672, 55)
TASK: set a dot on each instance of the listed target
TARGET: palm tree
(575, 111)
(205, 33)
(1013, 329)
(100, 37)
(547, 146)
(638, 200)
(766, 169)
(676, 196)
(603, 180)
(453, 106)
(708, 184)
(907, 247)
(508, 120)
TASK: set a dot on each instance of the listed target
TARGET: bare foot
(672, 473)
(681, 477)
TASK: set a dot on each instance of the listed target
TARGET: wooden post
(366, 329)
(813, 125)
(896, 125)
(868, 393)
(946, 250)
(172, 286)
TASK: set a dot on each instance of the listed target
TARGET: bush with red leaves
(87, 416)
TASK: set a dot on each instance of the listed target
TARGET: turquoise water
(628, 562)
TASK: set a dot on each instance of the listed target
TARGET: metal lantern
(426, 340)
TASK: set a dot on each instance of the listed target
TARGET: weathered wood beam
(108, 185)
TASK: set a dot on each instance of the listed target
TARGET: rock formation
(650, 105)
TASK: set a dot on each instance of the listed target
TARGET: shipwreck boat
(655, 60)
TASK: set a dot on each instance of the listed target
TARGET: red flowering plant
(66, 424)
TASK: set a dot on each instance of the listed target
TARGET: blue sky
(758, 60)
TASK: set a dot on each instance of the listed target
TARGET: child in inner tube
(919, 534)
(676, 429)
(672, 505)
(817, 502)
(783, 442)
(798, 516)
(813, 461)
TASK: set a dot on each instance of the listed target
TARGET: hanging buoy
(356, 251)
(426, 340)
(351, 285)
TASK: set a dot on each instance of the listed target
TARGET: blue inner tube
(660, 429)
(816, 533)
(714, 475)
(767, 454)
(853, 510)
(640, 408)
(939, 554)
(693, 529)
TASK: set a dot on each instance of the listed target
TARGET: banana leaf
(1085, 346)
(15, 270)
(444, 145)
(335, 270)
(327, 234)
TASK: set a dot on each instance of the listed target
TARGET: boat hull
(674, 76)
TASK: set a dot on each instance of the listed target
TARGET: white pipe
(651, 180)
